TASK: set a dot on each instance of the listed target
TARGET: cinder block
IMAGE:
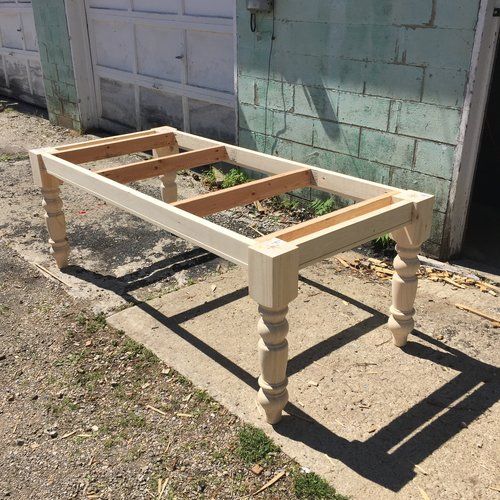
(437, 227)
(368, 43)
(366, 111)
(266, 144)
(253, 118)
(435, 159)
(255, 91)
(393, 80)
(336, 137)
(305, 38)
(353, 12)
(293, 127)
(444, 48)
(427, 121)
(316, 102)
(386, 148)
(408, 179)
(71, 110)
(444, 86)
(361, 168)
(456, 13)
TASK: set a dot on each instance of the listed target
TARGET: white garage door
(159, 62)
(20, 71)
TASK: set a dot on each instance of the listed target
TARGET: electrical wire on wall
(268, 79)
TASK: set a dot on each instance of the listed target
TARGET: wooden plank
(159, 166)
(115, 146)
(107, 140)
(323, 180)
(200, 232)
(329, 220)
(354, 232)
(243, 194)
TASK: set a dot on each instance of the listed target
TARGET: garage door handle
(179, 57)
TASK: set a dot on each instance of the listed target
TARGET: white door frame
(476, 98)
(76, 16)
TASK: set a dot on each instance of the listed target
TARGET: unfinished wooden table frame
(274, 260)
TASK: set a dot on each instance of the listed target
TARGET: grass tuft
(254, 445)
(234, 177)
(310, 486)
(134, 350)
(383, 242)
(322, 207)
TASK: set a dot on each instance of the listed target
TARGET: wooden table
(274, 260)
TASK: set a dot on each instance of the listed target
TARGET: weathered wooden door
(20, 71)
(164, 62)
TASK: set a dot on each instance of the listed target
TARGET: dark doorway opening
(482, 236)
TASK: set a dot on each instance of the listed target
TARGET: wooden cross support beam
(162, 165)
(99, 149)
(274, 260)
(206, 204)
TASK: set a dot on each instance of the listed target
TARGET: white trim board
(483, 56)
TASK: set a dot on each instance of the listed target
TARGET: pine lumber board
(159, 166)
(114, 146)
(243, 194)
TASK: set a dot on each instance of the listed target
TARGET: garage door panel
(210, 60)
(29, 31)
(113, 44)
(118, 102)
(110, 4)
(212, 120)
(166, 62)
(160, 60)
(219, 8)
(160, 108)
(11, 31)
(3, 81)
(36, 78)
(160, 6)
(18, 75)
(20, 72)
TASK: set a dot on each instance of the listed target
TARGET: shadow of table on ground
(389, 455)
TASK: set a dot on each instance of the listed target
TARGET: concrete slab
(376, 421)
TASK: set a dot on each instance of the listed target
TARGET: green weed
(13, 156)
(254, 445)
(383, 242)
(209, 178)
(234, 177)
(310, 486)
(92, 325)
(322, 207)
(135, 350)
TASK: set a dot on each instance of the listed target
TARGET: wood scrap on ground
(276, 478)
(495, 320)
(383, 269)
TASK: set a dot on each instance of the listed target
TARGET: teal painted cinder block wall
(371, 89)
(57, 65)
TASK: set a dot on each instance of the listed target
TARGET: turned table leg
(168, 185)
(273, 283)
(273, 357)
(404, 290)
(406, 264)
(56, 223)
(53, 207)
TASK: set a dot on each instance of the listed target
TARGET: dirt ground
(376, 421)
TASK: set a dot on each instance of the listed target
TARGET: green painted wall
(372, 89)
(57, 66)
